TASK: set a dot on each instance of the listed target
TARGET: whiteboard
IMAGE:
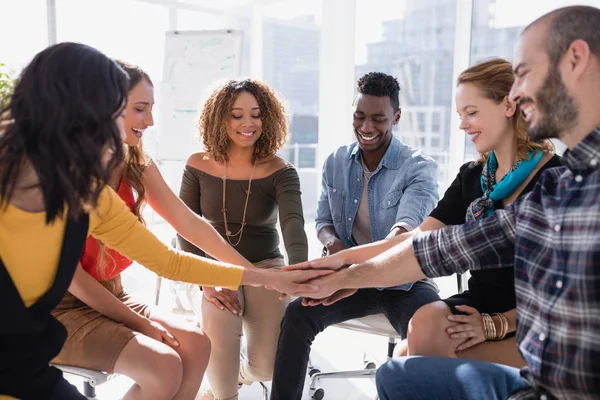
(193, 62)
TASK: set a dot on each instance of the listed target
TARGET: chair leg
(391, 347)
(89, 390)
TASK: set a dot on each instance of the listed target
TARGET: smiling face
(138, 116)
(373, 120)
(486, 122)
(546, 103)
(245, 123)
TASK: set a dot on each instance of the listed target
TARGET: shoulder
(343, 152)
(200, 160)
(471, 169)
(274, 163)
(409, 156)
(203, 163)
(551, 160)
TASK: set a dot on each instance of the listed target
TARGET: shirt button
(593, 162)
(542, 337)
(389, 202)
(358, 179)
(334, 190)
(578, 178)
(559, 284)
(543, 397)
(557, 228)
(349, 219)
(356, 201)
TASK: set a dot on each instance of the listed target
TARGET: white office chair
(373, 324)
(91, 378)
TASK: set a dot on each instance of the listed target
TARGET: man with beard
(374, 188)
(552, 236)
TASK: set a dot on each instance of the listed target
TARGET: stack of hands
(317, 282)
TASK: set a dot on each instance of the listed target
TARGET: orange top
(115, 263)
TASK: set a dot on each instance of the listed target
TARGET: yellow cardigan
(30, 248)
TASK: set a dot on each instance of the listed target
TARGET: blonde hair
(494, 78)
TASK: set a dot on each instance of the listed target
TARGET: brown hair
(216, 112)
(135, 165)
(135, 159)
(495, 78)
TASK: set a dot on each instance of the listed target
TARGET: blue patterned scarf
(484, 206)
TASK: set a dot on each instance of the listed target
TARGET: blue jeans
(301, 325)
(436, 378)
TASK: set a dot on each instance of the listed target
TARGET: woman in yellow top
(62, 145)
(109, 330)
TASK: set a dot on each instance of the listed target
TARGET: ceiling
(212, 6)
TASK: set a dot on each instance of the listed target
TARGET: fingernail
(454, 336)
(176, 343)
(450, 330)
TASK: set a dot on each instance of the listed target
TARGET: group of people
(74, 179)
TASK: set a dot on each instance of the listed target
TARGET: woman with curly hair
(239, 184)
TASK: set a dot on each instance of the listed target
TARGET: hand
(294, 281)
(469, 327)
(337, 296)
(335, 247)
(332, 262)
(326, 286)
(156, 331)
(223, 298)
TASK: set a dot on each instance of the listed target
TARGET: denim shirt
(402, 191)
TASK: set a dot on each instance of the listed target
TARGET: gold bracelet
(489, 327)
(503, 324)
(486, 334)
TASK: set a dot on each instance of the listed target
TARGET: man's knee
(388, 379)
(297, 317)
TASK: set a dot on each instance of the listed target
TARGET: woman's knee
(427, 328)
(154, 366)
(195, 345)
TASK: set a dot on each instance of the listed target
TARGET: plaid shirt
(552, 237)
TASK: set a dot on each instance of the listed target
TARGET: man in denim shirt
(374, 188)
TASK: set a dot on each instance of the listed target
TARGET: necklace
(240, 232)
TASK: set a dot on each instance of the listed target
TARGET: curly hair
(494, 78)
(136, 160)
(380, 85)
(63, 111)
(217, 111)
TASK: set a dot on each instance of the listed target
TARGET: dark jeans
(300, 326)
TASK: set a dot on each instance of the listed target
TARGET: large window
(496, 25)
(413, 40)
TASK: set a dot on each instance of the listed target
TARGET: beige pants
(262, 312)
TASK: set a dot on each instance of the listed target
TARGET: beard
(557, 109)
